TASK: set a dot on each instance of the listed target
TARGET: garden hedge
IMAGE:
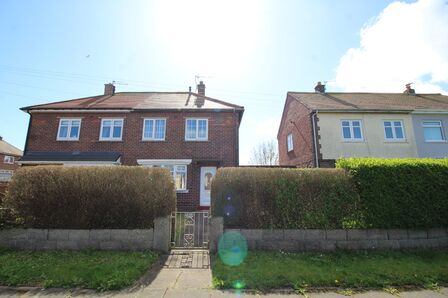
(401, 193)
(91, 197)
(285, 198)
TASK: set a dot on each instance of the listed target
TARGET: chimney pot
(319, 88)
(109, 89)
(409, 90)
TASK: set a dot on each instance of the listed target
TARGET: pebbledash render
(189, 133)
(319, 127)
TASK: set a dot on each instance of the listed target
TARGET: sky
(249, 52)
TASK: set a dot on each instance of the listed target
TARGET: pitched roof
(8, 149)
(371, 101)
(140, 101)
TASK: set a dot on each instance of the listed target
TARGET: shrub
(285, 198)
(91, 197)
(401, 193)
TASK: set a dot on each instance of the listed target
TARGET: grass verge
(263, 270)
(99, 270)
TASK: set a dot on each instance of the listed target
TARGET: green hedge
(401, 193)
(285, 198)
(91, 197)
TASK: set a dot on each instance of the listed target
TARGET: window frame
(196, 139)
(174, 174)
(111, 138)
(68, 138)
(440, 126)
(289, 141)
(352, 138)
(154, 129)
(394, 136)
(8, 159)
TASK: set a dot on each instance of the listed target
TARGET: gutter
(313, 120)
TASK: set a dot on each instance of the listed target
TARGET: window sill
(435, 141)
(354, 141)
(148, 140)
(395, 141)
(67, 140)
(104, 140)
(183, 191)
(196, 140)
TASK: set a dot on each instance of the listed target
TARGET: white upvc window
(154, 129)
(8, 159)
(433, 131)
(6, 175)
(179, 173)
(290, 142)
(352, 130)
(69, 129)
(196, 129)
(111, 129)
(394, 130)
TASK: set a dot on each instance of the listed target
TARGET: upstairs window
(154, 129)
(69, 129)
(290, 143)
(432, 131)
(196, 130)
(352, 130)
(111, 129)
(8, 159)
(393, 130)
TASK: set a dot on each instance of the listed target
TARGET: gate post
(216, 232)
(162, 235)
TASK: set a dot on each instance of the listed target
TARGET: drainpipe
(316, 155)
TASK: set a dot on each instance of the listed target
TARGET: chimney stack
(319, 88)
(109, 89)
(200, 100)
(409, 90)
(201, 88)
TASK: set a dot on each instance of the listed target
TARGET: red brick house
(188, 133)
(8, 159)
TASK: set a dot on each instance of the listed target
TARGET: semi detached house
(186, 132)
(319, 127)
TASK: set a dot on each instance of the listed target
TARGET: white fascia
(164, 162)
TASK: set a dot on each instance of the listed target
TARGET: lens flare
(229, 210)
(239, 285)
(232, 248)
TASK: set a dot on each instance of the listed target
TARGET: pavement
(165, 281)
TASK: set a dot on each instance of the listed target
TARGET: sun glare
(209, 37)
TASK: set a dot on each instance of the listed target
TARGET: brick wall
(302, 131)
(108, 239)
(7, 166)
(221, 145)
(329, 240)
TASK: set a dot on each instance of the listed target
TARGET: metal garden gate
(189, 229)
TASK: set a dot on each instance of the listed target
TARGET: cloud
(407, 42)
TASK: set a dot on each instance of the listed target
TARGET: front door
(207, 174)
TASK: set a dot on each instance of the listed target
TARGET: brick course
(221, 149)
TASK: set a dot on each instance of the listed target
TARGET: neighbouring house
(318, 128)
(188, 133)
(8, 160)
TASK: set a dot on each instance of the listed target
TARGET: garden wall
(157, 238)
(301, 240)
